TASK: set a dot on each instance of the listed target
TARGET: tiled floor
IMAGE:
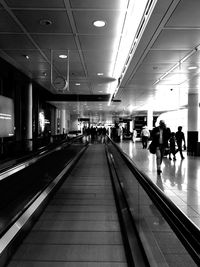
(180, 179)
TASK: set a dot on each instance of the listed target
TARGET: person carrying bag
(160, 138)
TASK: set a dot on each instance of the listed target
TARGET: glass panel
(161, 245)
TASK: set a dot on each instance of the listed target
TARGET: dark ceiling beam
(74, 97)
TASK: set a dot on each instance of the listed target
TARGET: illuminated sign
(6, 116)
(41, 121)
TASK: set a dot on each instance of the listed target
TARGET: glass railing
(168, 236)
(13, 152)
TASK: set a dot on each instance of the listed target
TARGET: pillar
(63, 121)
(150, 119)
(53, 121)
(193, 127)
(29, 118)
(74, 123)
(58, 121)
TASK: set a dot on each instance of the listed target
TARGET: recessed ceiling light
(77, 84)
(100, 73)
(62, 56)
(45, 22)
(99, 23)
(26, 56)
(192, 68)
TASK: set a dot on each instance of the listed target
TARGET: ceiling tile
(102, 56)
(145, 79)
(35, 3)
(15, 41)
(7, 24)
(177, 39)
(31, 21)
(76, 69)
(195, 58)
(97, 43)
(154, 68)
(100, 67)
(56, 42)
(183, 68)
(181, 17)
(19, 55)
(98, 4)
(164, 56)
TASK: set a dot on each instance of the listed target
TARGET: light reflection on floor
(179, 179)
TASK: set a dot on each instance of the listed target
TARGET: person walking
(172, 146)
(180, 139)
(145, 134)
(160, 138)
(134, 135)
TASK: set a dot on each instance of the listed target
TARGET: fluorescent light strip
(130, 36)
(176, 65)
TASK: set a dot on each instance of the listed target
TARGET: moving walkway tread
(80, 225)
(19, 188)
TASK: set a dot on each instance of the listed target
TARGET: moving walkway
(95, 212)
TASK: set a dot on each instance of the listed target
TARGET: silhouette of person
(180, 138)
(160, 138)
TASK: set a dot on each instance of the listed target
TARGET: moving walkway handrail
(23, 221)
(133, 246)
(34, 157)
(187, 232)
(18, 214)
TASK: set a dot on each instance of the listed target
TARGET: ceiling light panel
(85, 19)
(99, 23)
(63, 56)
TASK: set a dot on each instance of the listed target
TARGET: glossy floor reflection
(179, 180)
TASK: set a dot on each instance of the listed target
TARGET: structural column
(193, 127)
(63, 121)
(74, 122)
(29, 118)
(150, 119)
(58, 121)
(53, 121)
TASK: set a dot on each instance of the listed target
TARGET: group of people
(163, 138)
(94, 134)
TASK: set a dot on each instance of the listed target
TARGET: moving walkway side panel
(169, 238)
(18, 217)
(80, 225)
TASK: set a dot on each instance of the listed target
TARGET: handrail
(187, 232)
(135, 252)
(34, 157)
(25, 218)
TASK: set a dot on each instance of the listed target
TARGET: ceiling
(155, 69)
